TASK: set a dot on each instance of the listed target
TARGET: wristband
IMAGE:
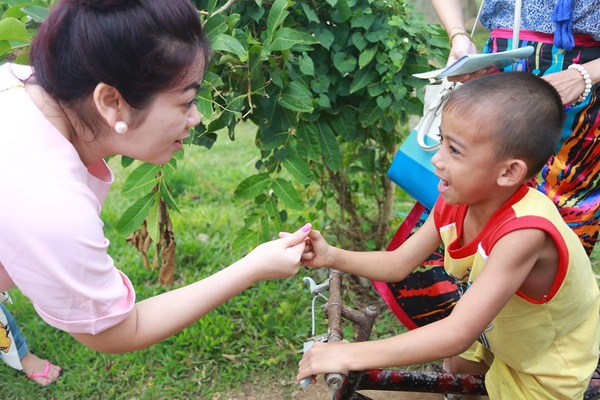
(463, 33)
(586, 79)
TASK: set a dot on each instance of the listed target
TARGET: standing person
(566, 38)
(39, 371)
(109, 77)
(529, 306)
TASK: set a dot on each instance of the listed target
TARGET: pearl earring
(121, 127)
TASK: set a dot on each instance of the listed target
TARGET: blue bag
(411, 167)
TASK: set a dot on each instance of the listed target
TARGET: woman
(110, 77)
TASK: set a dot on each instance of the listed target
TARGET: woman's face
(165, 123)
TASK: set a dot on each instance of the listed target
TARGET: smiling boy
(529, 309)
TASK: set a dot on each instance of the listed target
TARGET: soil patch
(318, 391)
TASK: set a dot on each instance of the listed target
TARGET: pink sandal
(45, 375)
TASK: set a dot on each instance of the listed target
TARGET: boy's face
(466, 162)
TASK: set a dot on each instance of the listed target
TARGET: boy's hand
(317, 252)
(322, 358)
(279, 259)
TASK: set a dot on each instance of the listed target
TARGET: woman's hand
(568, 83)
(461, 46)
(278, 259)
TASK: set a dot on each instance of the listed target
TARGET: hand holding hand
(317, 252)
(279, 259)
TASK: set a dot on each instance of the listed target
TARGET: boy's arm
(508, 265)
(385, 266)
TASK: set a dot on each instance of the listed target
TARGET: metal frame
(345, 387)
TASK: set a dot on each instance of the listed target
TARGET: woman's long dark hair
(140, 47)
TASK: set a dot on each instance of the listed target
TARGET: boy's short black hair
(522, 114)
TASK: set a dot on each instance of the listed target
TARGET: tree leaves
(329, 86)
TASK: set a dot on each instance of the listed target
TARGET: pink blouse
(52, 244)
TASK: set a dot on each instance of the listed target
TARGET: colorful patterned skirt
(571, 178)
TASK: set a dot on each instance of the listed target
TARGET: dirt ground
(289, 390)
(318, 391)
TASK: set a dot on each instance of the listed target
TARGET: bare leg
(459, 365)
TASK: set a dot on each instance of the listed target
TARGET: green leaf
(221, 122)
(276, 16)
(205, 103)
(342, 12)
(126, 161)
(253, 186)
(325, 37)
(320, 84)
(214, 26)
(5, 47)
(299, 169)
(266, 232)
(284, 39)
(362, 78)
(297, 97)
(246, 239)
(141, 180)
(134, 216)
(153, 219)
(229, 44)
(358, 40)
(254, 59)
(307, 134)
(271, 139)
(364, 21)
(323, 101)
(306, 65)
(384, 102)
(377, 36)
(345, 124)
(168, 197)
(366, 56)
(13, 29)
(273, 212)
(410, 107)
(330, 148)
(369, 114)
(36, 13)
(288, 195)
(311, 16)
(344, 62)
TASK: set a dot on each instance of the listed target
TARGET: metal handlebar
(335, 311)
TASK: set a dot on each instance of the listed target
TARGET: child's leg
(20, 340)
(40, 371)
(458, 365)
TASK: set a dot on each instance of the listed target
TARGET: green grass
(253, 339)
